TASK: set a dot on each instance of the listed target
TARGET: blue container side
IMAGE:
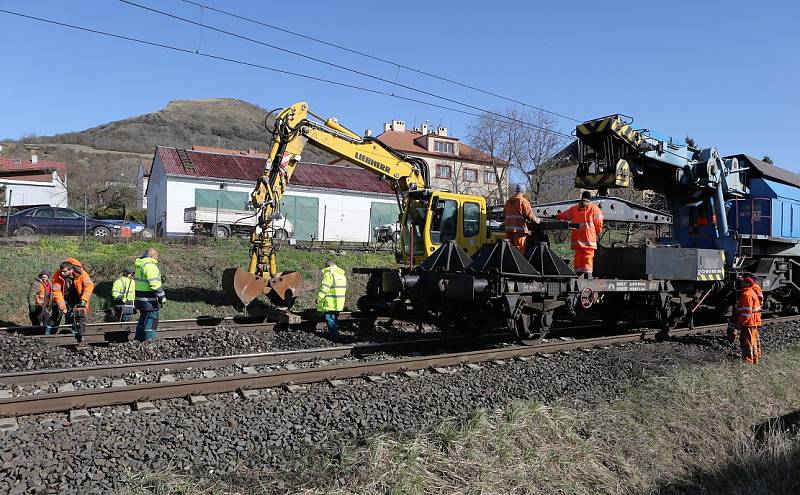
(776, 210)
(743, 221)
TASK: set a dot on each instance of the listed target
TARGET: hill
(112, 152)
(219, 122)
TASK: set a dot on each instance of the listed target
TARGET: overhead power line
(374, 57)
(263, 67)
(328, 63)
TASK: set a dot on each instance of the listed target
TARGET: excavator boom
(293, 128)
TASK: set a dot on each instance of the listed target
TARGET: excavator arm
(293, 129)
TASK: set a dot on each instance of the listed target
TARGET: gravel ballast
(278, 427)
(19, 353)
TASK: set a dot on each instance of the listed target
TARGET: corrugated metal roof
(239, 167)
(43, 166)
(769, 171)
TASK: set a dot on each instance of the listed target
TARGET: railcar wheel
(532, 329)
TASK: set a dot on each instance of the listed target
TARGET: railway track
(99, 397)
(114, 332)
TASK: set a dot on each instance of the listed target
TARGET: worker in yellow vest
(330, 298)
(123, 293)
(150, 297)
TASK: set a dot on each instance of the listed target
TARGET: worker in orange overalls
(747, 319)
(589, 220)
(72, 290)
(517, 215)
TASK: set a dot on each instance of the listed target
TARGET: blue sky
(726, 73)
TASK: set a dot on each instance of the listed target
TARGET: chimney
(34, 155)
(387, 127)
(442, 131)
(398, 126)
(368, 133)
(424, 128)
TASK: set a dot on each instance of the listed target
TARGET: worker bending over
(589, 220)
(747, 319)
(517, 215)
(123, 292)
(330, 298)
(150, 295)
(72, 290)
(40, 299)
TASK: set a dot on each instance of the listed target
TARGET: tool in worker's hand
(79, 323)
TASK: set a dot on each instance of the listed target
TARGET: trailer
(223, 223)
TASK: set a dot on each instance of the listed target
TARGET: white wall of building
(343, 215)
(141, 186)
(23, 192)
(157, 198)
(181, 194)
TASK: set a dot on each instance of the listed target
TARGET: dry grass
(695, 432)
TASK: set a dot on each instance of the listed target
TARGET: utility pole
(85, 215)
(8, 211)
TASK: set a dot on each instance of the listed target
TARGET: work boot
(48, 330)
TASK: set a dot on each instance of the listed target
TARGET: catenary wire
(268, 68)
(374, 57)
(331, 64)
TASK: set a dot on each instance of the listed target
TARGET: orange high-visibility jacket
(590, 223)
(759, 292)
(83, 284)
(748, 308)
(517, 214)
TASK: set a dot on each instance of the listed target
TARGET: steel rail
(54, 375)
(97, 333)
(124, 335)
(87, 398)
(199, 322)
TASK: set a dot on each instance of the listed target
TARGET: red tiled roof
(404, 141)
(240, 167)
(43, 166)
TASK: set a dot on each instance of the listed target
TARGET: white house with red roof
(33, 182)
(323, 201)
(453, 166)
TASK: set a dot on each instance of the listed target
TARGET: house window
(470, 175)
(490, 177)
(443, 171)
(444, 147)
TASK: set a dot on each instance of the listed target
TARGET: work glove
(62, 307)
(162, 301)
(82, 304)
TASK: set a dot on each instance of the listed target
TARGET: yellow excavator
(428, 218)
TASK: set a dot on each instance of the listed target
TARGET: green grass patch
(192, 273)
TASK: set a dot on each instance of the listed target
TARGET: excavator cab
(432, 218)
